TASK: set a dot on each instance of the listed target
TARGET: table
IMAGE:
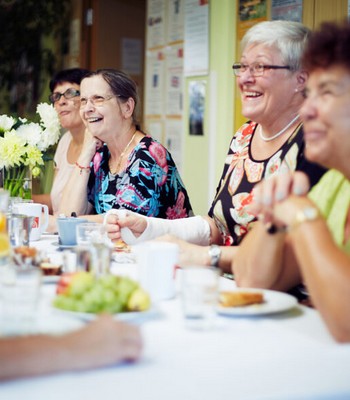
(284, 356)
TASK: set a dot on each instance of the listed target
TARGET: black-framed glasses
(96, 100)
(68, 94)
(255, 69)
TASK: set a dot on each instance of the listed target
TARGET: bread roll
(240, 298)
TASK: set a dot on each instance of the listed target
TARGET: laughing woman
(311, 234)
(132, 171)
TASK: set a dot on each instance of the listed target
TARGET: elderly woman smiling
(272, 83)
(311, 240)
(132, 170)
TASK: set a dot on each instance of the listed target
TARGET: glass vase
(18, 182)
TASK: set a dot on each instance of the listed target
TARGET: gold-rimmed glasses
(96, 100)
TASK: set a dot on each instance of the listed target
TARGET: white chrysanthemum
(50, 121)
(12, 150)
(48, 115)
(6, 123)
(31, 133)
(48, 138)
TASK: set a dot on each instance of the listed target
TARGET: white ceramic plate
(275, 302)
(124, 316)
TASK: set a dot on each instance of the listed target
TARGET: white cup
(156, 263)
(40, 212)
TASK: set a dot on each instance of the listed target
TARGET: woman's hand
(189, 254)
(104, 342)
(91, 145)
(270, 192)
(134, 222)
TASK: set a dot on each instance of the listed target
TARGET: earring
(296, 90)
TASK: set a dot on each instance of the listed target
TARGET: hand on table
(104, 342)
(189, 254)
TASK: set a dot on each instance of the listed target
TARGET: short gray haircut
(287, 37)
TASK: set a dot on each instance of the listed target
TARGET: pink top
(63, 170)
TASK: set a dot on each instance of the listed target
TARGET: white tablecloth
(284, 356)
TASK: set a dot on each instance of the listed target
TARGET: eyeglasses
(255, 69)
(96, 100)
(68, 94)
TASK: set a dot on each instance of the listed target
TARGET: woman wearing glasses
(311, 240)
(132, 170)
(271, 82)
(65, 97)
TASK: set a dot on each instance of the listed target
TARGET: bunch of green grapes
(88, 294)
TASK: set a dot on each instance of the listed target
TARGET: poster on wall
(154, 128)
(155, 23)
(131, 56)
(174, 80)
(154, 100)
(173, 139)
(175, 21)
(196, 94)
(288, 10)
(196, 49)
(250, 13)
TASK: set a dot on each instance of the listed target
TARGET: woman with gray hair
(272, 83)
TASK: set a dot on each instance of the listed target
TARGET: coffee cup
(67, 230)
(157, 262)
(40, 212)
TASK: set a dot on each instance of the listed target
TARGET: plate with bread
(249, 302)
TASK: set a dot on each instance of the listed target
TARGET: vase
(18, 181)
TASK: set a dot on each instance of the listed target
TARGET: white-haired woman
(311, 233)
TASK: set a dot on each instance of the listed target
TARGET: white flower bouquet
(23, 144)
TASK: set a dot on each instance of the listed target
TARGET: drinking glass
(20, 289)
(199, 296)
(93, 237)
(91, 232)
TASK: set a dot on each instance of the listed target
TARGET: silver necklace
(268, 139)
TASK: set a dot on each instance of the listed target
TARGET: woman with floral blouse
(132, 170)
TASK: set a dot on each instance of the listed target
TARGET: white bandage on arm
(195, 230)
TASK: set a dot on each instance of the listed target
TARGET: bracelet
(307, 214)
(87, 169)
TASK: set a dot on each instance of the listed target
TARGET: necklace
(115, 170)
(268, 139)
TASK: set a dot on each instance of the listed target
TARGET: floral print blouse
(149, 185)
(241, 173)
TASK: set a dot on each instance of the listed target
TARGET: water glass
(199, 296)
(19, 227)
(91, 232)
(93, 238)
(4, 201)
(19, 290)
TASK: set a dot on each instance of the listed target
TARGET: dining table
(288, 354)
